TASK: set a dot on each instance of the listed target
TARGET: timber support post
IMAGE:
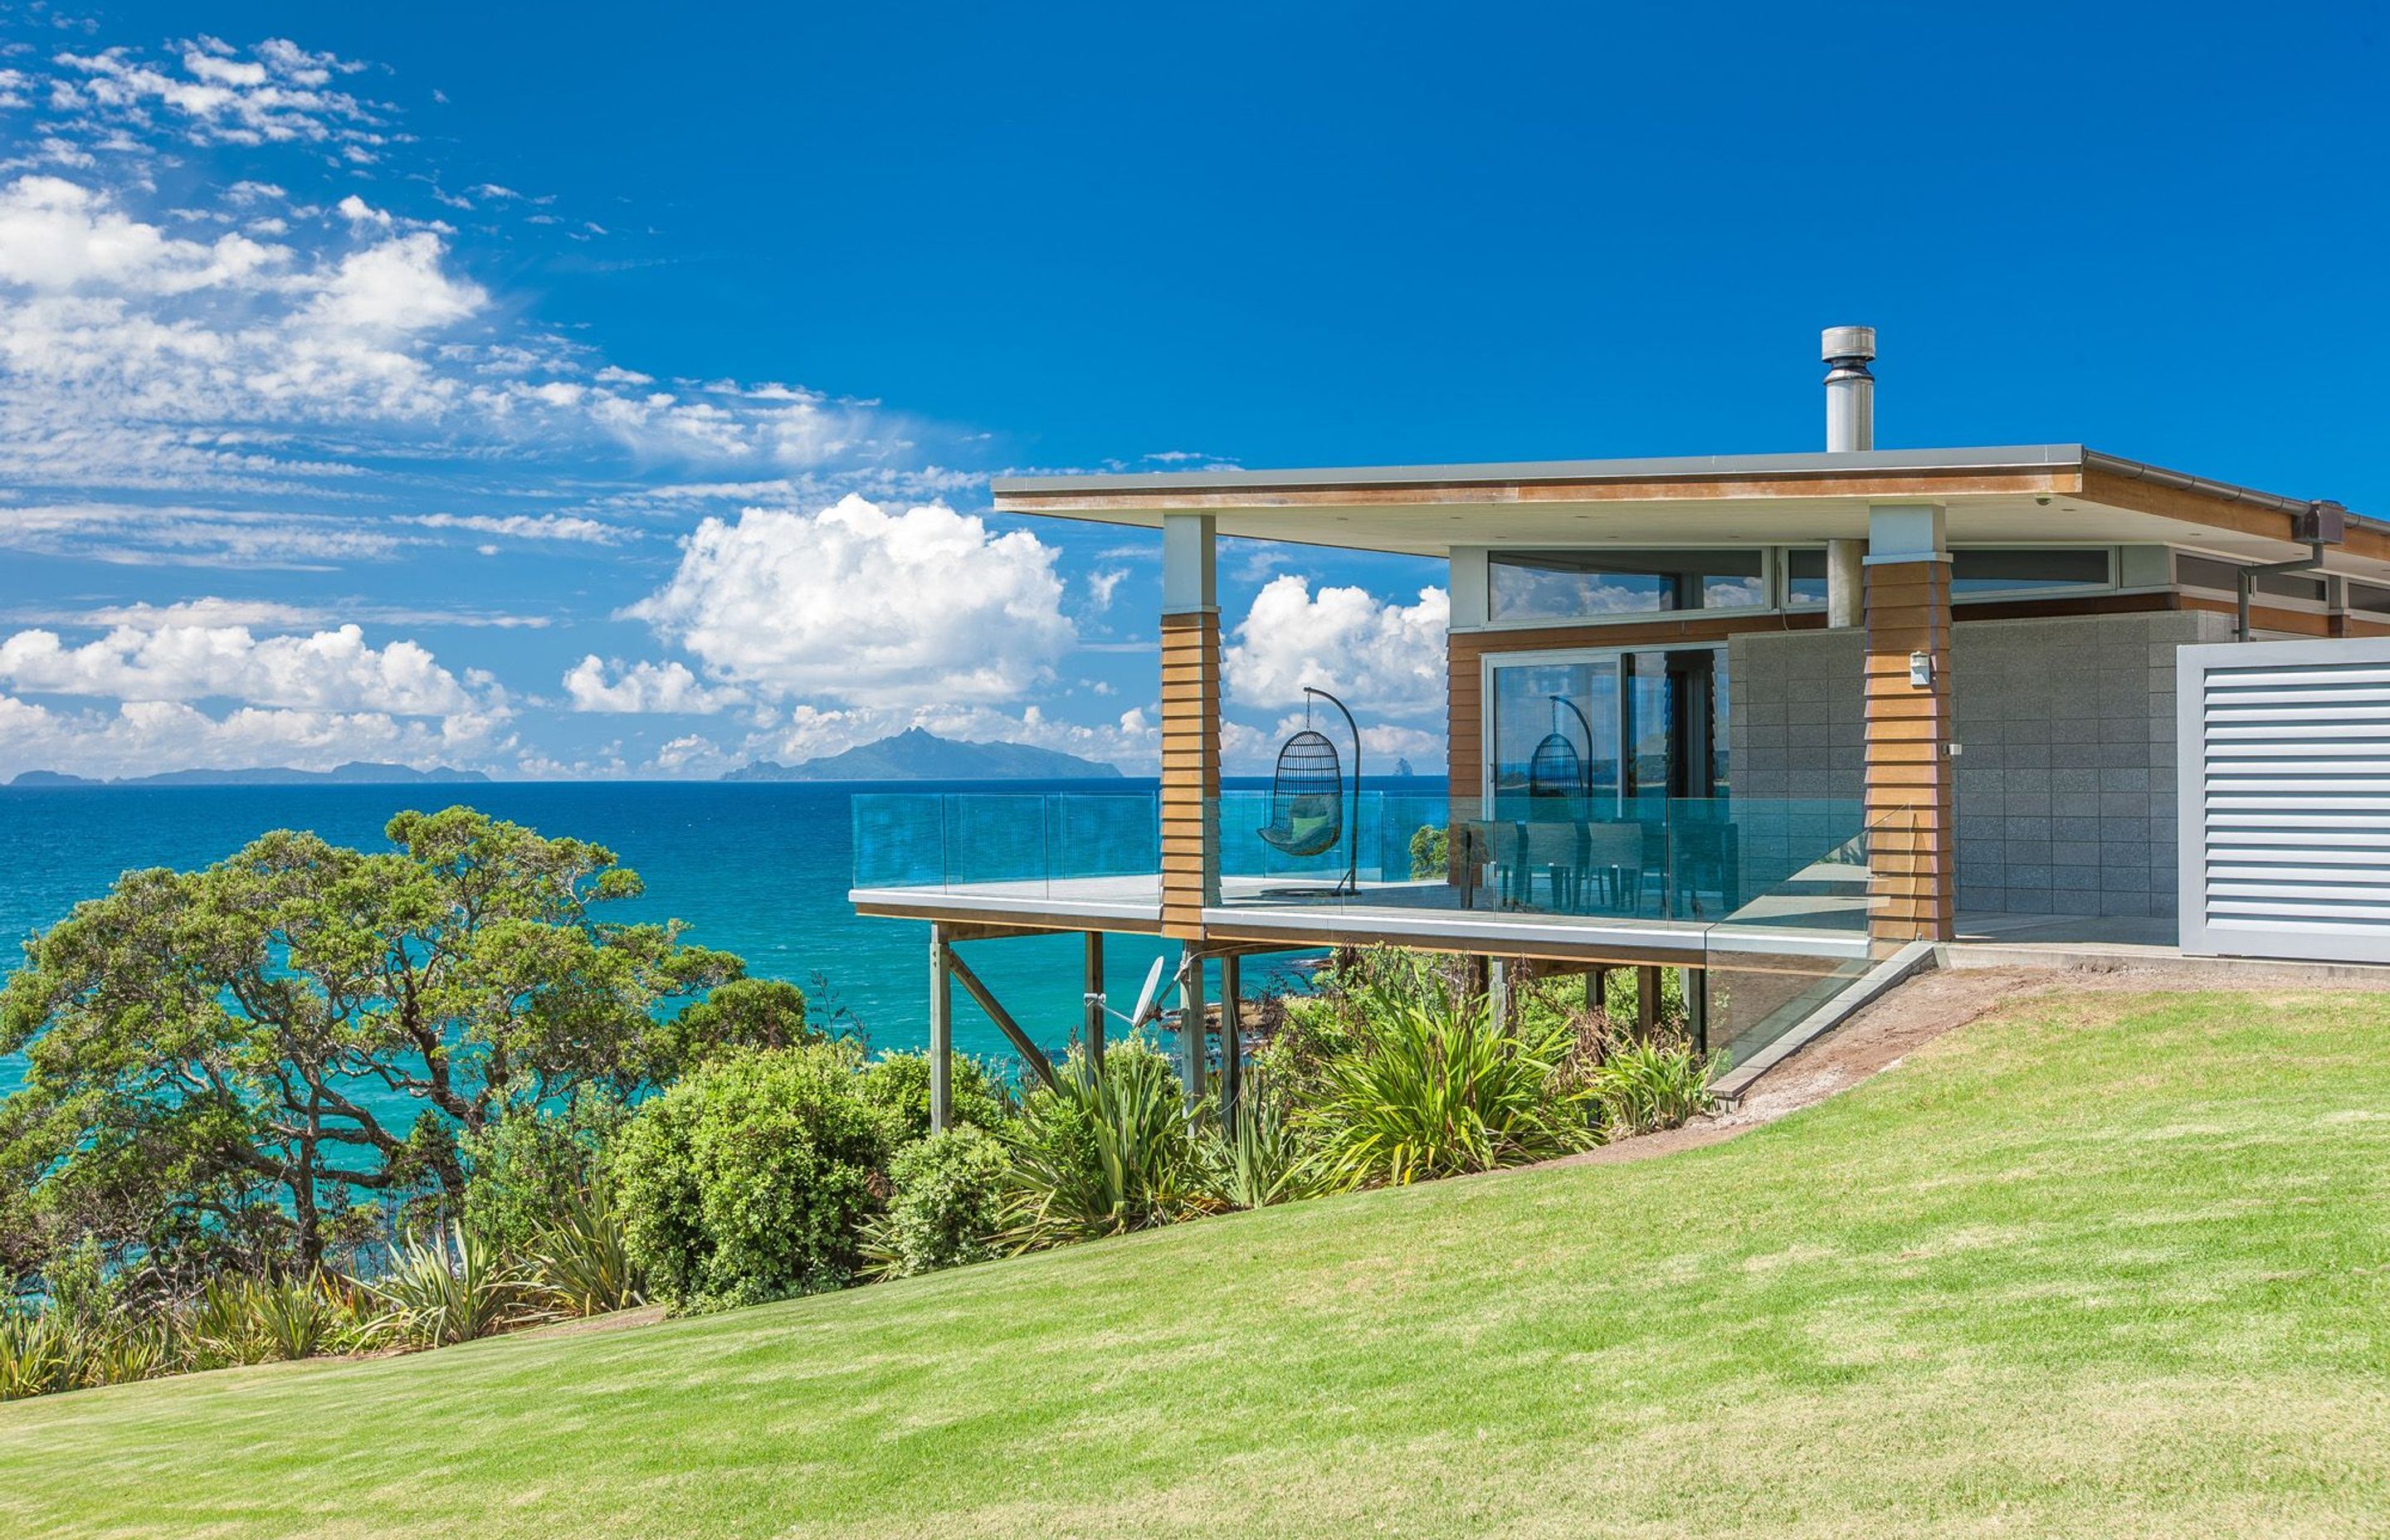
(1647, 1002)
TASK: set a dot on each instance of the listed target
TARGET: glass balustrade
(1795, 863)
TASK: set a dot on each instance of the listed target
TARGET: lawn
(2109, 1265)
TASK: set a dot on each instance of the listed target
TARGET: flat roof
(2003, 492)
(2032, 456)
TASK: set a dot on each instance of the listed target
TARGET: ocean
(759, 869)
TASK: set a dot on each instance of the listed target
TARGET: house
(1763, 717)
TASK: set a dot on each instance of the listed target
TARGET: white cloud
(57, 236)
(866, 606)
(523, 526)
(1382, 659)
(142, 737)
(393, 287)
(199, 537)
(642, 687)
(328, 671)
(274, 95)
(1102, 585)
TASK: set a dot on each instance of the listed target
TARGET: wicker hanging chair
(1306, 805)
(1556, 770)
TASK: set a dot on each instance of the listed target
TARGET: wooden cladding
(1191, 770)
(1910, 815)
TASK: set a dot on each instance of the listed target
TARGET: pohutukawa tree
(220, 1059)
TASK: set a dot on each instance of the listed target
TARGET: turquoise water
(762, 870)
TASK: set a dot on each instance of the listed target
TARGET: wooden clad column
(1190, 726)
(1912, 848)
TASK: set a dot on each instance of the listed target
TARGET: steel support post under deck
(1091, 1026)
(1192, 1058)
(1232, 1048)
(941, 1033)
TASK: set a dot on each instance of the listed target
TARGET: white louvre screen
(2284, 778)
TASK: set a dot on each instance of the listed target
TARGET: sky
(568, 391)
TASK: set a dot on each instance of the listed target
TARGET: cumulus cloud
(593, 686)
(140, 736)
(866, 606)
(310, 700)
(1382, 659)
(328, 670)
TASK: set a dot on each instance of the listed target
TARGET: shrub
(1643, 1087)
(1256, 1156)
(41, 1352)
(582, 1255)
(947, 1207)
(1105, 1151)
(456, 1286)
(530, 1165)
(898, 1083)
(744, 1013)
(1431, 852)
(1438, 1091)
(751, 1179)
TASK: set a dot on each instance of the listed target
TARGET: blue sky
(590, 391)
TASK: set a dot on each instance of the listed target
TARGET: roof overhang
(2034, 492)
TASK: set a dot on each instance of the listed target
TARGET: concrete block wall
(2065, 777)
(1795, 742)
(2066, 770)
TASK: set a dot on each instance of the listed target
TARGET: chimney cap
(1848, 343)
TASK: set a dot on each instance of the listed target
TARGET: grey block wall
(2066, 777)
(1793, 713)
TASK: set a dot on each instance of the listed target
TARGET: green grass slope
(2113, 1265)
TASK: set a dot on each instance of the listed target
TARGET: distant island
(356, 772)
(918, 755)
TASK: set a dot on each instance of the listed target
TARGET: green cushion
(1307, 827)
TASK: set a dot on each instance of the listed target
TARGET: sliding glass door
(1621, 725)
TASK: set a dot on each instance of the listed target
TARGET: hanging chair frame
(1350, 881)
(1584, 762)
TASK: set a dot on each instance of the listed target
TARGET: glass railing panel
(1032, 843)
(899, 840)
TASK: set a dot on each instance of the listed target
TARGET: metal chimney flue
(1850, 389)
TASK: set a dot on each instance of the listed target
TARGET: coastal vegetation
(312, 1101)
(2102, 1262)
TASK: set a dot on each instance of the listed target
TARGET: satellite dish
(1145, 997)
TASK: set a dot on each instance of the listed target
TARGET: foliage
(1439, 1091)
(946, 1208)
(1256, 1155)
(455, 1286)
(899, 1083)
(1618, 997)
(751, 1179)
(582, 1255)
(1105, 1150)
(192, 1039)
(1645, 1087)
(1430, 851)
(530, 1165)
(744, 1013)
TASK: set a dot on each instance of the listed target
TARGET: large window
(2224, 577)
(1988, 573)
(1562, 727)
(1555, 727)
(1558, 585)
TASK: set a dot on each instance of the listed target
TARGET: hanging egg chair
(1556, 769)
(1306, 803)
